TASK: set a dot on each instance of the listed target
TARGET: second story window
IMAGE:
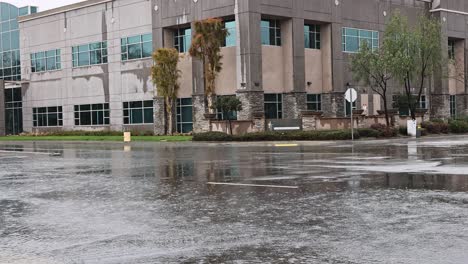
(312, 36)
(89, 54)
(271, 32)
(232, 36)
(451, 49)
(136, 47)
(352, 39)
(182, 39)
(45, 61)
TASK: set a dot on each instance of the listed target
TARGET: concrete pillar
(249, 58)
(159, 116)
(2, 108)
(201, 119)
(440, 98)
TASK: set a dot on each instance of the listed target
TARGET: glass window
(312, 36)
(47, 116)
(232, 34)
(451, 49)
(273, 106)
(184, 120)
(352, 39)
(423, 102)
(271, 32)
(453, 106)
(136, 47)
(138, 112)
(314, 102)
(183, 39)
(89, 54)
(45, 61)
(348, 107)
(92, 115)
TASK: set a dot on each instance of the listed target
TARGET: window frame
(34, 60)
(359, 38)
(314, 100)
(179, 114)
(315, 31)
(278, 103)
(90, 50)
(274, 28)
(453, 106)
(182, 38)
(143, 109)
(37, 114)
(125, 43)
(105, 114)
(232, 33)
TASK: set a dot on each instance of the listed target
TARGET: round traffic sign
(351, 95)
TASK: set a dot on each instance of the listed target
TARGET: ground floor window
(453, 106)
(47, 116)
(348, 107)
(92, 114)
(13, 111)
(314, 102)
(231, 115)
(184, 115)
(273, 106)
(138, 112)
(400, 102)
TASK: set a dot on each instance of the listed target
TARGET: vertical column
(2, 108)
(158, 42)
(440, 98)
(295, 102)
(333, 100)
(249, 58)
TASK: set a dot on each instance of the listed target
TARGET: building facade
(87, 66)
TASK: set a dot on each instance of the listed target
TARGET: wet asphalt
(380, 201)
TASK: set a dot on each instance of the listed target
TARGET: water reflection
(107, 203)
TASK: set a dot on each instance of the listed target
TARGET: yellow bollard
(127, 136)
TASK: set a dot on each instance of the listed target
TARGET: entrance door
(13, 111)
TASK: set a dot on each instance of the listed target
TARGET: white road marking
(253, 185)
(26, 152)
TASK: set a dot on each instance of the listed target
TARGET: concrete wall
(114, 82)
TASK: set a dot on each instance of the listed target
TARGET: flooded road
(396, 201)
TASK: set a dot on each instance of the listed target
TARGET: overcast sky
(42, 4)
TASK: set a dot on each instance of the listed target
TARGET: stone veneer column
(294, 53)
(2, 108)
(440, 96)
(159, 116)
(249, 58)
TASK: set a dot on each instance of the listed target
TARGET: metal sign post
(351, 97)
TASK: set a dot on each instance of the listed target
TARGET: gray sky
(42, 4)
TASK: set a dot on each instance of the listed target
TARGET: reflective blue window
(352, 39)
(89, 54)
(232, 34)
(45, 61)
(136, 47)
(271, 32)
(183, 39)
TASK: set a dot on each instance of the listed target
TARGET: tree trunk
(230, 126)
(387, 120)
(170, 128)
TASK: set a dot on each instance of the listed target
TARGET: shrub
(278, 136)
(384, 131)
(212, 136)
(403, 131)
(458, 126)
(369, 133)
(435, 127)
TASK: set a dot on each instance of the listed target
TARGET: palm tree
(209, 37)
(165, 76)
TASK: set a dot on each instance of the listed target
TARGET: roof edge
(62, 9)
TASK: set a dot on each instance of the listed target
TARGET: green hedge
(278, 136)
(458, 126)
